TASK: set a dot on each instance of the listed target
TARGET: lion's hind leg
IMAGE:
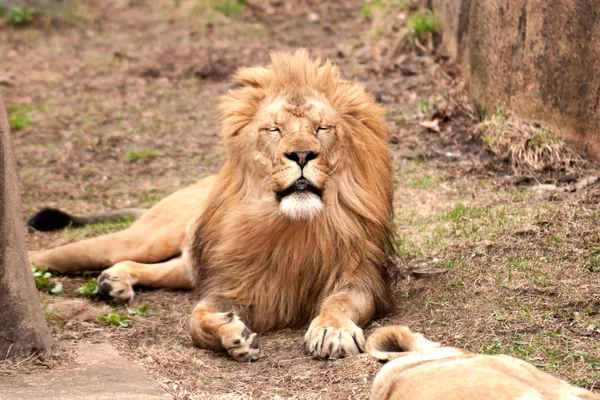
(223, 331)
(117, 282)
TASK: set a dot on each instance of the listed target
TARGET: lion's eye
(273, 130)
(323, 128)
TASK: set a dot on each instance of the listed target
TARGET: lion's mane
(246, 253)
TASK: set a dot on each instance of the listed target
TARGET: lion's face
(298, 143)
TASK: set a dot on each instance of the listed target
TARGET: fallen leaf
(433, 125)
(443, 115)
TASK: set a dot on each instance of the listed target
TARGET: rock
(100, 373)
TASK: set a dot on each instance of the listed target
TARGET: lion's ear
(257, 77)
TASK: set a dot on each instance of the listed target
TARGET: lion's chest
(280, 285)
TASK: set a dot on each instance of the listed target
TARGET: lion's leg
(212, 328)
(104, 251)
(336, 331)
(116, 283)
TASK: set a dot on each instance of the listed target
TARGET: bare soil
(120, 97)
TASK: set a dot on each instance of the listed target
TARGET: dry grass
(527, 146)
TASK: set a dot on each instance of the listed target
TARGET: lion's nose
(301, 157)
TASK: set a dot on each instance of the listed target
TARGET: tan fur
(276, 259)
(423, 370)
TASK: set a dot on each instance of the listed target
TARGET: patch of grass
(229, 7)
(427, 182)
(113, 318)
(135, 156)
(529, 270)
(90, 289)
(405, 247)
(370, 7)
(461, 211)
(101, 228)
(457, 283)
(18, 16)
(21, 117)
(422, 24)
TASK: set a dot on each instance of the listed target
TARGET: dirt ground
(116, 104)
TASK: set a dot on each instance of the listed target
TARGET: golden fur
(422, 370)
(293, 229)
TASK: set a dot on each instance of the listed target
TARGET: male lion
(294, 227)
(422, 370)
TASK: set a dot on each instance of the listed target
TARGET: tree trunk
(23, 329)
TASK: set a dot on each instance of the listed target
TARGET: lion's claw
(332, 342)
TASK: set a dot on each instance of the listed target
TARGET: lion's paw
(239, 341)
(333, 340)
(115, 284)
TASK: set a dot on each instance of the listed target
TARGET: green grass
(101, 228)
(551, 351)
(229, 7)
(135, 156)
(427, 182)
(528, 269)
(421, 24)
(368, 9)
(17, 16)
(21, 117)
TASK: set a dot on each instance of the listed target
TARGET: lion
(293, 230)
(420, 369)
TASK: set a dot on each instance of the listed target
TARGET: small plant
(229, 7)
(90, 289)
(18, 16)
(42, 280)
(141, 311)
(457, 283)
(135, 156)
(19, 117)
(113, 318)
(422, 24)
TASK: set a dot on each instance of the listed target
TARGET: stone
(99, 373)
(536, 59)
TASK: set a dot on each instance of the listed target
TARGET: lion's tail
(395, 340)
(51, 219)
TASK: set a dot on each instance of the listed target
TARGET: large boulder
(535, 57)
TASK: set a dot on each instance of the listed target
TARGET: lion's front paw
(115, 284)
(239, 341)
(333, 339)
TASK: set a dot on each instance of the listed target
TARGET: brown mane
(283, 269)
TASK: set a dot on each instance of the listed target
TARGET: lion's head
(294, 126)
